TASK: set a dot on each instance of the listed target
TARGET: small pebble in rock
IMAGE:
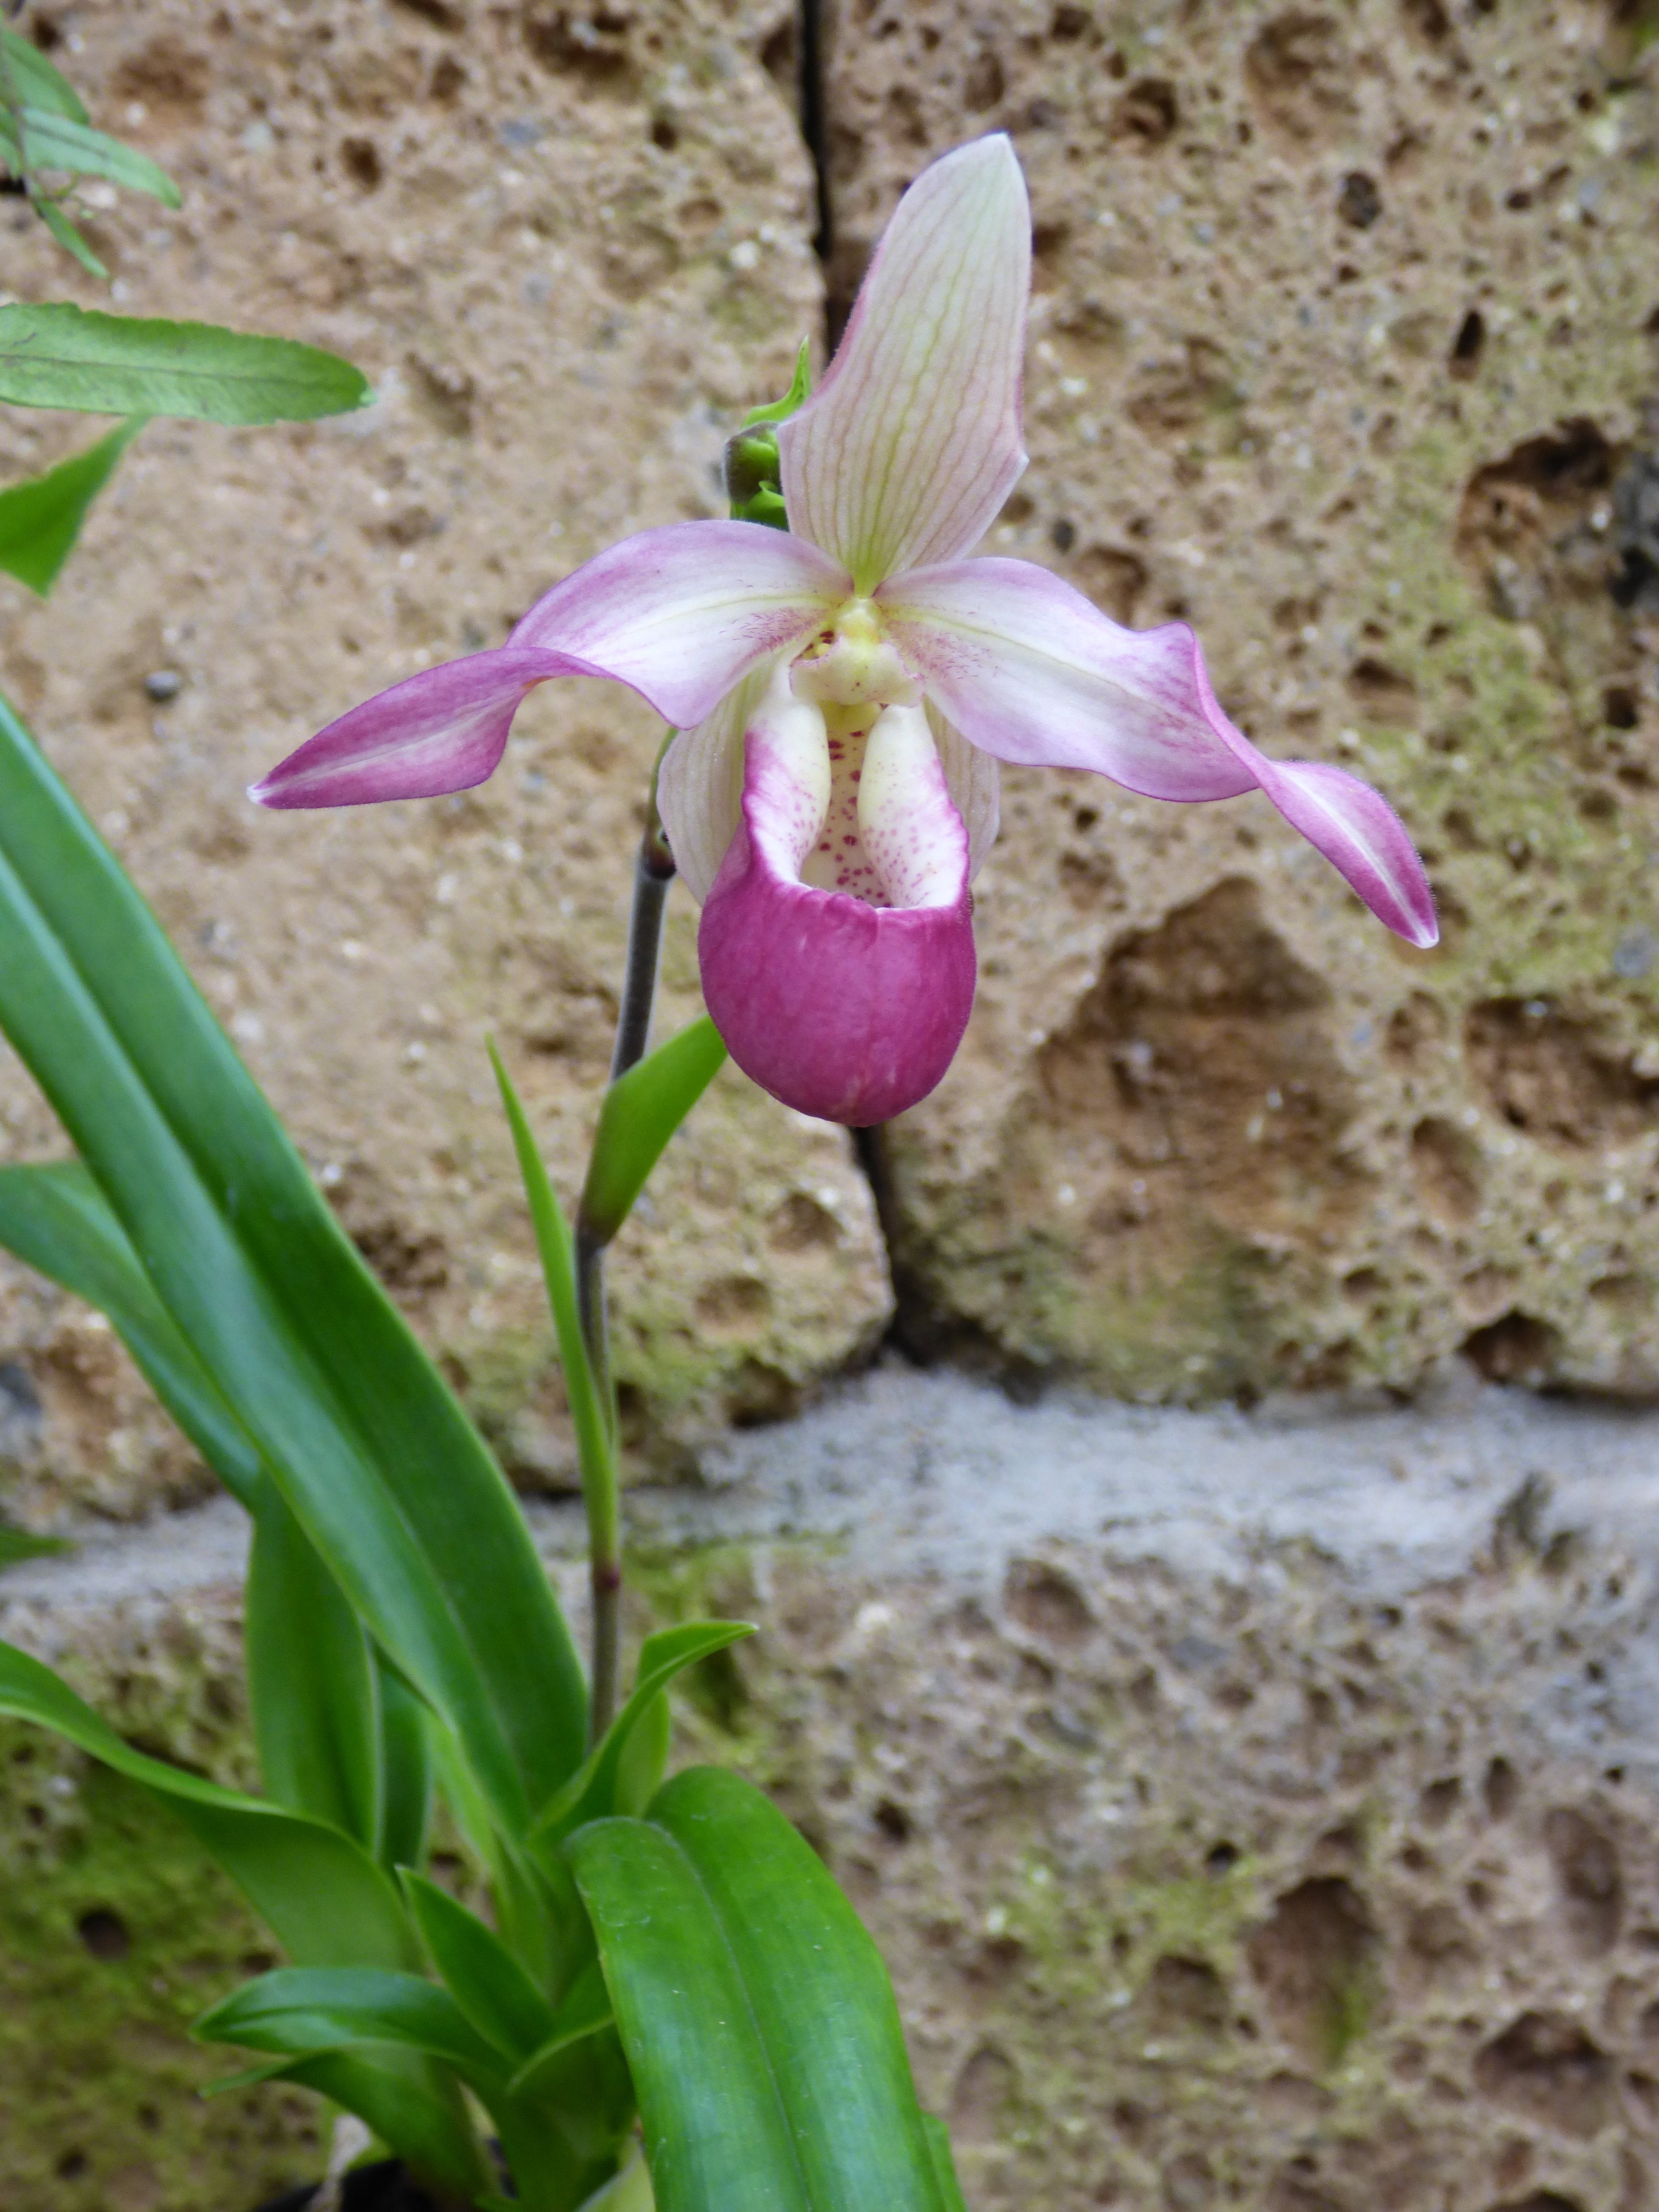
(163, 685)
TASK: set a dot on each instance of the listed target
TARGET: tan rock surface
(1343, 348)
(567, 252)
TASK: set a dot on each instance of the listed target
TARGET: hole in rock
(1545, 2066)
(1317, 1961)
(104, 1933)
(1359, 203)
(1516, 1347)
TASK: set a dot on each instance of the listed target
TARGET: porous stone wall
(1257, 1816)
(1345, 349)
(1264, 1819)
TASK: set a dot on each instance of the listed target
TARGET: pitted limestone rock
(1256, 1813)
(568, 254)
(1343, 349)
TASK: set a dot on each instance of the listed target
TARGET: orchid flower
(843, 690)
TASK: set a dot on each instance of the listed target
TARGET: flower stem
(654, 873)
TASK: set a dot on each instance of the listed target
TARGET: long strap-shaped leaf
(386, 1473)
(755, 2013)
(324, 1897)
(56, 1220)
(317, 1710)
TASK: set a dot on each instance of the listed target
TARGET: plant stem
(653, 872)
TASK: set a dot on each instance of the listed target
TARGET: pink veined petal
(1029, 669)
(842, 1010)
(1359, 834)
(443, 729)
(912, 442)
(679, 614)
(1032, 672)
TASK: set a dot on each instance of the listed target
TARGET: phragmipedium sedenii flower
(843, 690)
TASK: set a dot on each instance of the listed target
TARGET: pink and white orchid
(843, 690)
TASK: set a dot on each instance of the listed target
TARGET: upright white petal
(903, 455)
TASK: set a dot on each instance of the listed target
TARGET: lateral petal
(1360, 834)
(1032, 671)
(912, 442)
(443, 729)
(681, 613)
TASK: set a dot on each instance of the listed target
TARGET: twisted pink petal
(443, 729)
(679, 614)
(1030, 669)
(682, 613)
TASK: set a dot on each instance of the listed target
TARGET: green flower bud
(753, 483)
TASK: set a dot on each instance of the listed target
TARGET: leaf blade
(34, 82)
(641, 1112)
(296, 2010)
(591, 1793)
(62, 355)
(427, 2127)
(37, 138)
(311, 1682)
(684, 2017)
(55, 1219)
(383, 1470)
(491, 1988)
(323, 1897)
(41, 518)
(20, 1544)
(595, 1448)
(752, 1907)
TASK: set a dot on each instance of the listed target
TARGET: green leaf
(370, 1450)
(406, 1770)
(33, 138)
(323, 1899)
(591, 1793)
(594, 1449)
(627, 2190)
(41, 518)
(585, 2011)
(801, 386)
(312, 1683)
(486, 1981)
(944, 2168)
(755, 2013)
(641, 1112)
(33, 81)
(644, 1760)
(299, 2009)
(68, 237)
(56, 1220)
(17, 1544)
(428, 2129)
(60, 355)
(316, 1717)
